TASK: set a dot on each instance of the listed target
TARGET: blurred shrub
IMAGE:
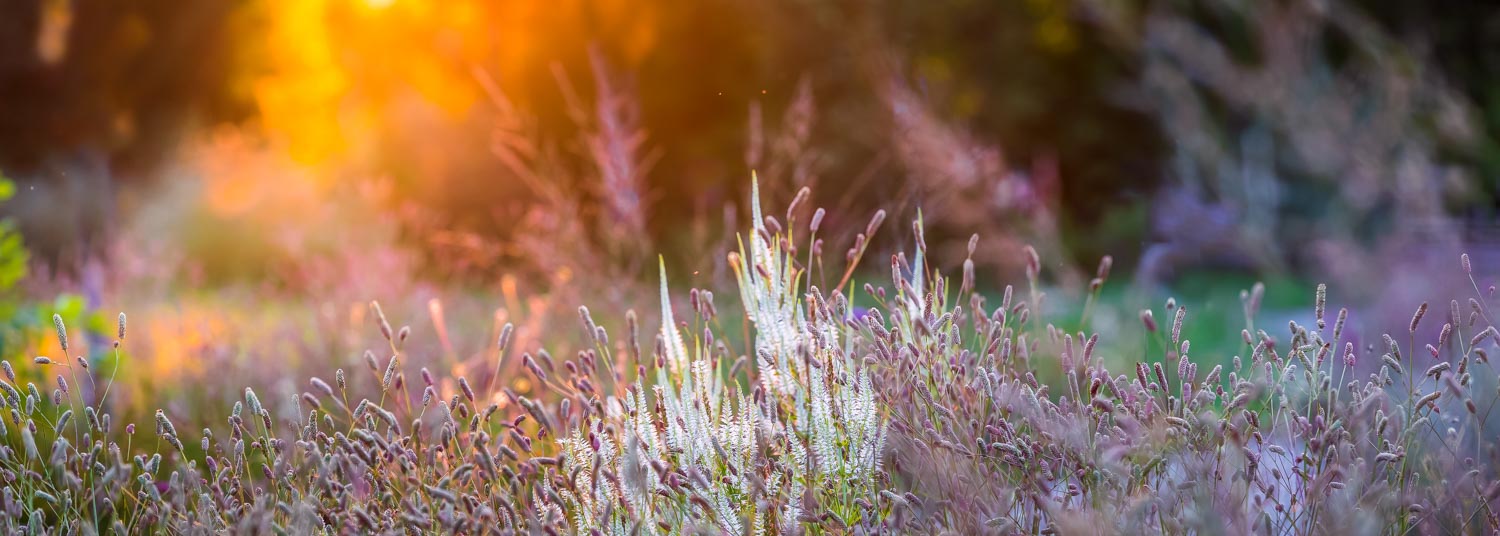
(1301, 134)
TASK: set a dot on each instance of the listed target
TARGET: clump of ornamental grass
(1286, 439)
(648, 434)
(924, 410)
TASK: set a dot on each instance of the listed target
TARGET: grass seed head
(1416, 317)
(62, 331)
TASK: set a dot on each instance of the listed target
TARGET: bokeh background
(242, 177)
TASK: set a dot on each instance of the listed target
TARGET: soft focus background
(243, 177)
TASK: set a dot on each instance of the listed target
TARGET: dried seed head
(1177, 324)
(1428, 399)
(322, 386)
(797, 200)
(587, 318)
(309, 399)
(31, 453)
(164, 425)
(1033, 261)
(1417, 317)
(773, 226)
(1463, 260)
(62, 331)
(1320, 304)
(1390, 361)
(1482, 335)
(385, 326)
(390, 372)
(1338, 325)
(121, 332)
(532, 366)
(875, 222)
(253, 401)
(468, 391)
(371, 362)
(504, 340)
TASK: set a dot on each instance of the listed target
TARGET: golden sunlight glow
(234, 172)
(337, 73)
(299, 99)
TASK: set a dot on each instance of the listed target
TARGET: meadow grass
(827, 405)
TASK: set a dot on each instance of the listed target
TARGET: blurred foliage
(1303, 134)
(13, 256)
(1041, 81)
(1057, 107)
(1463, 39)
(13, 259)
(24, 320)
(120, 76)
